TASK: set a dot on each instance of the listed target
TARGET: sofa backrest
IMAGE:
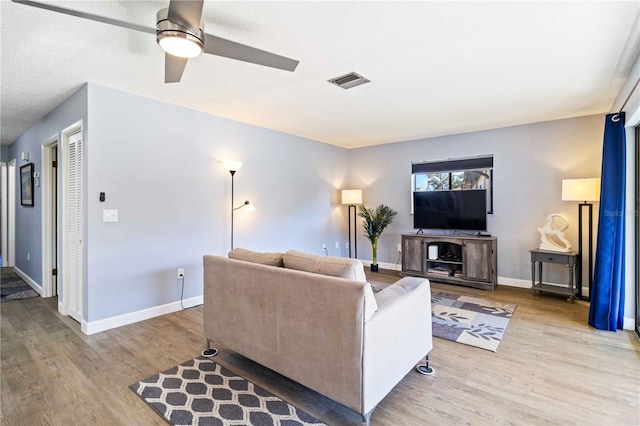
(351, 269)
(294, 322)
(272, 259)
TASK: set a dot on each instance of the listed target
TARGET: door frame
(63, 276)
(48, 229)
(3, 214)
(637, 226)
(11, 215)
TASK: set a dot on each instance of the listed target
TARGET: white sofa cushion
(271, 259)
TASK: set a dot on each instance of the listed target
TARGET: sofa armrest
(396, 337)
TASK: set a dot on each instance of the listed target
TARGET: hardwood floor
(551, 368)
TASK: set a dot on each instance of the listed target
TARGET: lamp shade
(232, 166)
(587, 189)
(351, 196)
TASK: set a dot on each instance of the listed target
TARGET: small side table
(570, 259)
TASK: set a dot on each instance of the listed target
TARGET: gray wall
(4, 153)
(160, 166)
(530, 162)
(29, 219)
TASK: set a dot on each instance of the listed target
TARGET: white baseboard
(384, 265)
(133, 317)
(34, 285)
(514, 282)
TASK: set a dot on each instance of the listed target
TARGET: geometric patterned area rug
(202, 392)
(12, 287)
(469, 320)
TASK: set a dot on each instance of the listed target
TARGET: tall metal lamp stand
(583, 190)
(233, 167)
(352, 197)
(589, 207)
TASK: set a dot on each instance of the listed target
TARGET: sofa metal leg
(426, 369)
(209, 352)
(366, 418)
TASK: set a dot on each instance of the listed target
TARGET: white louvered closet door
(74, 226)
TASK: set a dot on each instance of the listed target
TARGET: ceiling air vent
(348, 81)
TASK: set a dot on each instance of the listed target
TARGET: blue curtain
(607, 295)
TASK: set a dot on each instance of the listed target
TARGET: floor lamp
(352, 197)
(584, 190)
(233, 167)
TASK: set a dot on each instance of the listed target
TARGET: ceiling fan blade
(173, 68)
(187, 13)
(86, 15)
(230, 49)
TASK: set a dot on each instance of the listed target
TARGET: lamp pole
(580, 251)
(355, 232)
(233, 172)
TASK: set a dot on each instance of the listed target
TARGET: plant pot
(374, 268)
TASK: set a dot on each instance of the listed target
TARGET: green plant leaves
(376, 220)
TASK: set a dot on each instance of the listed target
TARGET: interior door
(54, 220)
(9, 256)
(74, 226)
(3, 210)
(637, 213)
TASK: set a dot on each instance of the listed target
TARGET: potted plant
(375, 221)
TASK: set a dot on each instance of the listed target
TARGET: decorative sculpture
(553, 239)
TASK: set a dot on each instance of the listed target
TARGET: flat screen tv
(455, 210)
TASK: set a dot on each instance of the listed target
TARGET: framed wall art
(26, 185)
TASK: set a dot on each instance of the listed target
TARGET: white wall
(530, 162)
(159, 165)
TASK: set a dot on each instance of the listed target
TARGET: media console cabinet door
(476, 260)
(413, 255)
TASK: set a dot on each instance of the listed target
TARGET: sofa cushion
(271, 259)
(351, 269)
(341, 267)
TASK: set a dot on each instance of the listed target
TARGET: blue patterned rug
(202, 392)
(470, 320)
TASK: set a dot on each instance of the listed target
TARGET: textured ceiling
(436, 68)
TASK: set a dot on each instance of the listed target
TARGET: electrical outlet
(346, 245)
(324, 247)
(337, 244)
(180, 272)
(399, 248)
(28, 256)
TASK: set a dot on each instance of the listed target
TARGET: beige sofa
(316, 320)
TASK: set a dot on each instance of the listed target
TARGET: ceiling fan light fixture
(180, 44)
(176, 39)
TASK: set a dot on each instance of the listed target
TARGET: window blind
(453, 165)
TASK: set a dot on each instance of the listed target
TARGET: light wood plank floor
(551, 368)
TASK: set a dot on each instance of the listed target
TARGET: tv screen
(459, 210)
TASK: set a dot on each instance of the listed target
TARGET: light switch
(109, 215)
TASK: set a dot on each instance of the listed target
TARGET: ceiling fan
(179, 32)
